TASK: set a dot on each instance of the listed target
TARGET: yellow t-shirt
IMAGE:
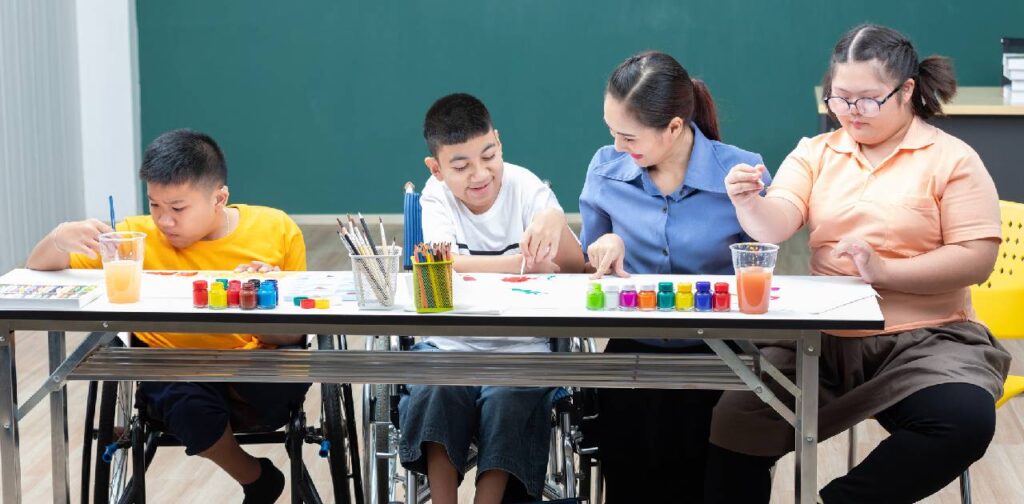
(933, 190)
(263, 234)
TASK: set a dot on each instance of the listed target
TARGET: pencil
(366, 230)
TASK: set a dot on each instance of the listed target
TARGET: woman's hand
(607, 254)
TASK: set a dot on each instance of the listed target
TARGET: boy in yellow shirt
(192, 227)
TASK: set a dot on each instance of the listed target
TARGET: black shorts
(198, 413)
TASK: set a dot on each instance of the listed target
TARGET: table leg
(9, 437)
(59, 422)
(806, 431)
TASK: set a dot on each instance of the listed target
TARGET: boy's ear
(221, 196)
(434, 167)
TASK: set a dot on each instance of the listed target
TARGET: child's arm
(549, 239)
(961, 264)
(570, 256)
(54, 251)
(489, 264)
(771, 220)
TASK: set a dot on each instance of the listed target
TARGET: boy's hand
(869, 265)
(80, 237)
(543, 267)
(256, 267)
(540, 240)
(744, 183)
(607, 255)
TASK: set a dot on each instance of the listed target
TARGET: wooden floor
(998, 478)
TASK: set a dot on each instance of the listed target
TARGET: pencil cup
(432, 286)
(376, 279)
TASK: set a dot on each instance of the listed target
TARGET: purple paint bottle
(627, 297)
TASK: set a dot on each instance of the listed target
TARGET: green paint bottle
(666, 298)
(595, 297)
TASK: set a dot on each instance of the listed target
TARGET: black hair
(455, 119)
(184, 156)
(655, 88)
(935, 81)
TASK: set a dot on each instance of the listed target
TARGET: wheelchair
(121, 441)
(572, 464)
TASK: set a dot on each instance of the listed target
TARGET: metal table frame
(94, 361)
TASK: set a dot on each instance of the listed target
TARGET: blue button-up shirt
(687, 231)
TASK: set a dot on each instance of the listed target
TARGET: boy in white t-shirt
(497, 216)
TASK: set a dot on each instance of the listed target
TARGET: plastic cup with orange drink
(754, 264)
(122, 254)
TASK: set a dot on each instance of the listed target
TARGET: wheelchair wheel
(342, 458)
(112, 480)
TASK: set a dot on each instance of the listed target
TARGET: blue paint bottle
(266, 298)
(702, 299)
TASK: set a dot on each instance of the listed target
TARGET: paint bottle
(684, 296)
(200, 296)
(277, 294)
(627, 297)
(595, 297)
(218, 296)
(721, 299)
(247, 298)
(266, 297)
(648, 298)
(702, 299)
(234, 293)
(666, 298)
(611, 297)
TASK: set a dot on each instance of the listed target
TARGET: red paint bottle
(721, 301)
(234, 293)
(200, 296)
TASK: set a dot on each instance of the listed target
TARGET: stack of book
(1013, 70)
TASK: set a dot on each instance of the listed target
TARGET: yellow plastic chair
(998, 303)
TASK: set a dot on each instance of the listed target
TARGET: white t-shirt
(495, 232)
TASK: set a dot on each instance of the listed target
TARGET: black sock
(267, 488)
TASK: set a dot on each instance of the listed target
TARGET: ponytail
(936, 84)
(704, 112)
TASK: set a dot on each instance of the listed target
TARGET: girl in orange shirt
(912, 211)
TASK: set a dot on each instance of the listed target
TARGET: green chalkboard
(319, 104)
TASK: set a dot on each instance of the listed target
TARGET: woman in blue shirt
(655, 203)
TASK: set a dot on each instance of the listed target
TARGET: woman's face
(648, 146)
(866, 79)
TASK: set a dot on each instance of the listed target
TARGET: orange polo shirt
(263, 234)
(931, 191)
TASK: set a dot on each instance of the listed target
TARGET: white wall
(40, 141)
(108, 86)
(69, 128)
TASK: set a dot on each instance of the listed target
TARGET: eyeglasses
(868, 107)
